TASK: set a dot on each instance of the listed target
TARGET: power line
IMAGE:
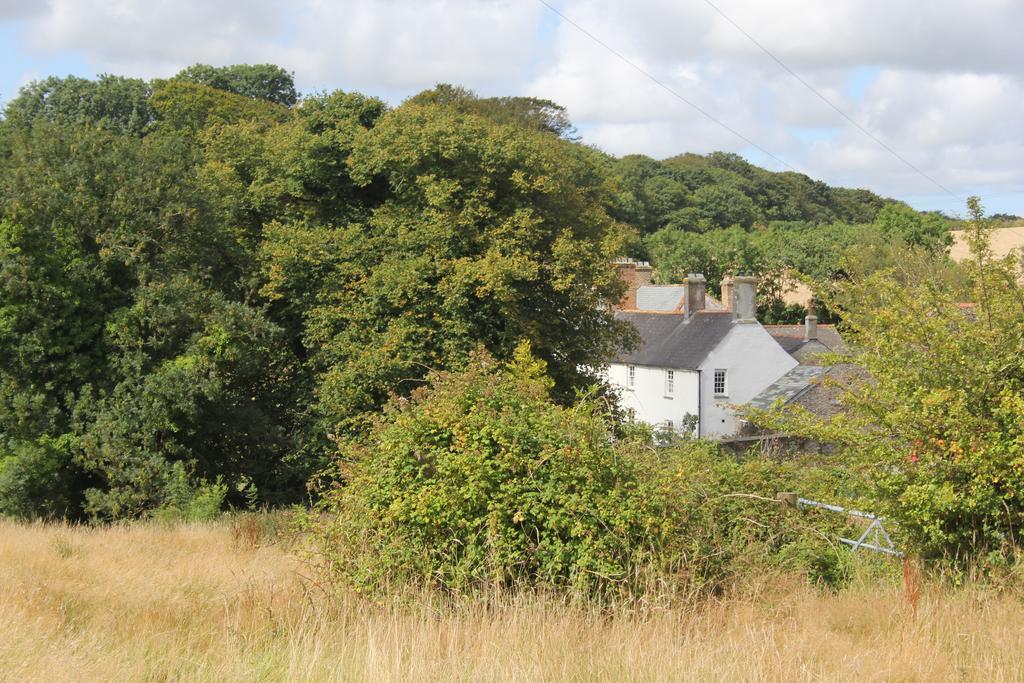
(672, 92)
(831, 104)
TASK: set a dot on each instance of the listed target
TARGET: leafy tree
(39, 479)
(489, 234)
(720, 207)
(99, 229)
(257, 81)
(900, 222)
(115, 103)
(531, 112)
(936, 420)
(203, 382)
(190, 107)
(721, 189)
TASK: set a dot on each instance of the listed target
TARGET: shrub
(39, 480)
(189, 501)
(938, 421)
(480, 481)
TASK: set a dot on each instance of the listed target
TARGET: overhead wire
(830, 103)
(708, 115)
(729, 128)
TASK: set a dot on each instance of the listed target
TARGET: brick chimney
(696, 287)
(811, 328)
(744, 308)
(728, 291)
(635, 274)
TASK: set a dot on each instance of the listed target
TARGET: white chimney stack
(811, 327)
(744, 308)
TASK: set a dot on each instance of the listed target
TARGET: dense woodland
(207, 280)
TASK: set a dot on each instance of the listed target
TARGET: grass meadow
(223, 602)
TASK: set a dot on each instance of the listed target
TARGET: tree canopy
(204, 279)
(258, 81)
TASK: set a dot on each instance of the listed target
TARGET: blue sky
(941, 87)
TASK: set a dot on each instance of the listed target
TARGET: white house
(693, 364)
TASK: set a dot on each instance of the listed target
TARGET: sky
(939, 82)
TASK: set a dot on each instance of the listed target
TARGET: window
(670, 382)
(719, 387)
(669, 426)
(631, 376)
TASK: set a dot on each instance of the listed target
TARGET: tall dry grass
(204, 602)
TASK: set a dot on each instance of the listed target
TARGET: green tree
(937, 418)
(202, 382)
(188, 107)
(489, 234)
(531, 112)
(258, 81)
(115, 103)
(720, 207)
(900, 222)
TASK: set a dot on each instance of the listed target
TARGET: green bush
(479, 482)
(39, 480)
(934, 413)
(189, 501)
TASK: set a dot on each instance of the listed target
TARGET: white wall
(647, 397)
(753, 361)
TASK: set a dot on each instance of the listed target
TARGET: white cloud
(21, 9)
(361, 43)
(944, 97)
(415, 43)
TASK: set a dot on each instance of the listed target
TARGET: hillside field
(217, 602)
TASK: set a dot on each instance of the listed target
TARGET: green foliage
(189, 364)
(111, 102)
(488, 234)
(705, 193)
(928, 230)
(481, 481)
(530, 112)
(40, 480)
(257, 81)
(129, 321)
(205, 275)
(938, 419)
(187, 501)
(815, 253)
(719, 206)
(183, 105)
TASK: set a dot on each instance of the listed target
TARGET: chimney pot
(744, 308)
(696, 288)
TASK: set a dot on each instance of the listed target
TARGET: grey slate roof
(790, 344)
(670, 340)
(828, 336)
(788, 387)
(663, 298)
(669, 298)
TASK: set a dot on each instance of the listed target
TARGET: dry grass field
(199, 602)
